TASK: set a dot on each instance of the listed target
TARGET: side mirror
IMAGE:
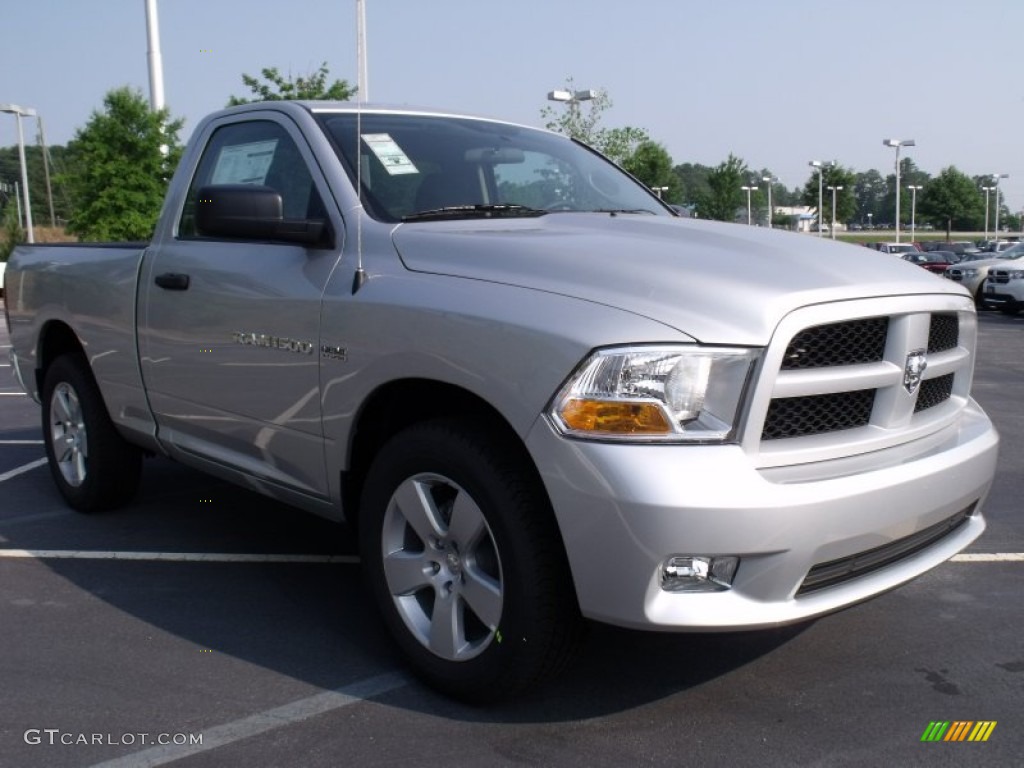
(251, 212)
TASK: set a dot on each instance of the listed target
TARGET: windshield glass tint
(417, 163)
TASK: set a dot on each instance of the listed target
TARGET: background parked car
(971, 274)
(935, 261)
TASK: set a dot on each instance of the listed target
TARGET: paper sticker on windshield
(391, 156)
(244, 163)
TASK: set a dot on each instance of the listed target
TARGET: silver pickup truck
(537, 393)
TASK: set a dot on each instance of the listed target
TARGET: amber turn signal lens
(597, 416)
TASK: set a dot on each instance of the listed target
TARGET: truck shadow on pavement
(315, 622)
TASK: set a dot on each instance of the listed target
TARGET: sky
(776, 83)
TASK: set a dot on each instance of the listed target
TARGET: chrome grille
(847, 343)
(840, 386)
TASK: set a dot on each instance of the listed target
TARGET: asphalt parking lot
(127, 637)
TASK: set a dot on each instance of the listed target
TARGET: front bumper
(624, 509)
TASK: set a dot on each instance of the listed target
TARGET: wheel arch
(386, 412)
(55, 339)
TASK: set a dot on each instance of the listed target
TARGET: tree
(583, 124)
(951, 201)
(312, 87)
(116, 172)
(833, 175)
(10, 172)
(869, 194)
(724, 196)
(11, 233)
(651, 163)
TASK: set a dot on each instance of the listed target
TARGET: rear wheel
(93, 466)
(461, 551)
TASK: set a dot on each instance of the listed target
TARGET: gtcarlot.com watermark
(55, 736)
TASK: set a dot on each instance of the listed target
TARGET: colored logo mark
(958, 730)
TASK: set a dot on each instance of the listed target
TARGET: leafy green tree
(11, 232)
(869, 193)
(724, 196)
(116, 172)
(582, 121)
(312, 87)
(651, 163)
(951, 201)
(833, 175)
(10, 172)
(693, 181)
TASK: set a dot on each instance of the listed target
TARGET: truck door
(229, 329)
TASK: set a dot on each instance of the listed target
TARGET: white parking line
(13, 394)
(22, 469)
(21, 442)
(270, 720)
(990, 557)
(171, 557)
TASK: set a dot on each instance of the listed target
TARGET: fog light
(694, 573)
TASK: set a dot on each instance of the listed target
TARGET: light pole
(870, 217)
(21, 112)
(573, 99)
(913, 209)
(896, 144)
(769, 180)
(833, 190)
(659, 190)
(748, 189)
(986, 190)
(820, 166)
(995, 178)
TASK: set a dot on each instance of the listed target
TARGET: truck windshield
(427, 167)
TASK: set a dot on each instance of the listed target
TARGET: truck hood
(718, 283)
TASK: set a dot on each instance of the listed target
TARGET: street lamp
(748, 189)
(834, 190)
(913, 209)
(21, 112)
(870, 224)
(820, 166)
(995, 179)
(769, 180)
(659, 190)
(896, 144)
(986, 190)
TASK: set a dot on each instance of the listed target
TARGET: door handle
(172, 281)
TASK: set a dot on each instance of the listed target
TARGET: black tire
(93, 466)
(498, 574)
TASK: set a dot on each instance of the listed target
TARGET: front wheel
(464, 559)
(93, 466)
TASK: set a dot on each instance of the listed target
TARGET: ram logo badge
(276, 342)
(917, 361)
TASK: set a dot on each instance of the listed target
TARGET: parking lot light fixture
(833, 190)
(659, 190)
(995, 218)
(769, 180)
(896, 144)
(748, 189)
(913, 209)
(19, 113)
(820, 166)
(986, 190)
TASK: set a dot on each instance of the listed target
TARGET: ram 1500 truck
(537, 393)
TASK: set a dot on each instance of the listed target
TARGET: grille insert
(847, 343)
(943, 333)
(817, 414)
(844, 569)
(934, 392)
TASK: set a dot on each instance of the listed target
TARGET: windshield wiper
(479, 211)
(614, 211)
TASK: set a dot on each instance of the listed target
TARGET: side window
(256, 152)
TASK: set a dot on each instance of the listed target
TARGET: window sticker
(391, 156)
(244, 163)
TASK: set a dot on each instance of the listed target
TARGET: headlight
(674, 394)
(969, 272)
(1017, 274)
